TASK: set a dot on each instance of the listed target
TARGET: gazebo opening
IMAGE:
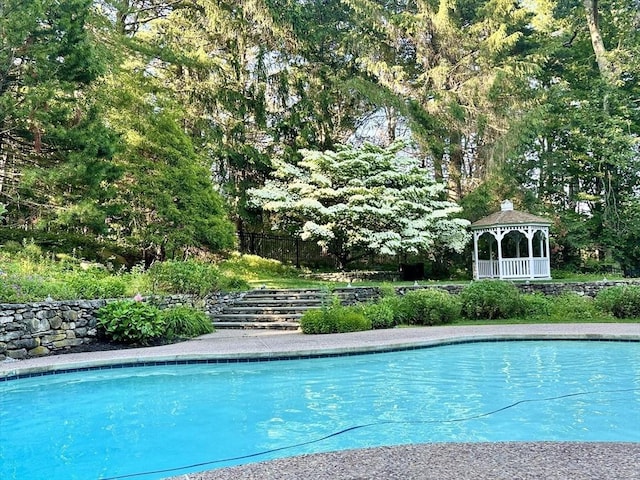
(511, 245)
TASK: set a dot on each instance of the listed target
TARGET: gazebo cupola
(511, 245)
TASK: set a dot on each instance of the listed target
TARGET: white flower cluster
(368, 199)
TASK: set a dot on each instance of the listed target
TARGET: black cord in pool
(365, 425)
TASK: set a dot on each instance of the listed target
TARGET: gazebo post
(548, 252)
(499, 239)
(476, 265)
(530, 235)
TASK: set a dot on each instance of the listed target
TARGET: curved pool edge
(449, 461)
(239, 346)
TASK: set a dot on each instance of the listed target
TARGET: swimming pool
(153, 422)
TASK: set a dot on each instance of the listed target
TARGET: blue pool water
(154, 422)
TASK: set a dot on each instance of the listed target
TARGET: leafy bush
(535, 305)
(7, 291)
(185, 322)
(130, 322)
(189, 277)
(317, 321)
(489, 299)
(87, 285)
(429, 307)
(334, 319)
(621, 301)
(380, 314)
(233, 283)
(571, 306)
(352, 320)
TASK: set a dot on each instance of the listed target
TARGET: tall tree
(54, 147)
(581, 154)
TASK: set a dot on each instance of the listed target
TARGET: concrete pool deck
(545, 460)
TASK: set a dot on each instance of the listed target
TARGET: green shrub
(317, 321)
(621, 301)
(189, 277)
(535, 305)
(87, 285)
(12, 247)
(429, 307)
(33, 288)
(185, 322)
(489, 299)
(352, 320)
(334, 319)
(8, 293)
(130, 322)
(380, 314)
(228, 283)
(571, 306)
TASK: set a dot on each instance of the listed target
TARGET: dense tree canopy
(147, 123)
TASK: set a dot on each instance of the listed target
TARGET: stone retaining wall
(44, 328)
(355, 276)
(589, 289)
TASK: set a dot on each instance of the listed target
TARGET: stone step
(285, 296)
(258, 325)
(277, 308)
(266, 310)
(269, 302)
(262, 318)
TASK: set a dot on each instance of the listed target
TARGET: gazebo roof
(509, 216)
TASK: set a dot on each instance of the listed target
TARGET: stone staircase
(281, 309)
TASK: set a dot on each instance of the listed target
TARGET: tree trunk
(604, 65)
(456, 158)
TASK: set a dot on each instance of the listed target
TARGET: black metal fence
(290, 250)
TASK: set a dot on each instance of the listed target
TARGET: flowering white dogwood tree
(355, 202)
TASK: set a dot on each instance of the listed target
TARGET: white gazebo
(511, 245)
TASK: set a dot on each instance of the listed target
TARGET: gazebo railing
(541, 268)
(513, 268)
(488, 269)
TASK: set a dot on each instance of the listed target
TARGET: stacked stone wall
(45, 328)
(589, 289)
(356, 276)
(36, 329)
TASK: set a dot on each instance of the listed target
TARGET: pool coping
(231, 346)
